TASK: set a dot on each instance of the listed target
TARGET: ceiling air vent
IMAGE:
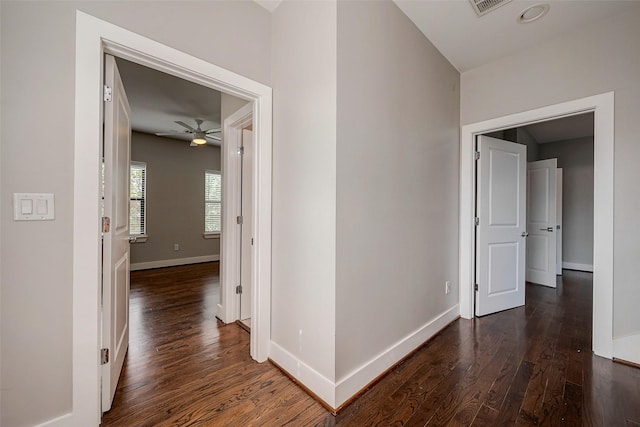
(485, 6)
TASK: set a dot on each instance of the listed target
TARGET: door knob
(549, 229)
(524, 234)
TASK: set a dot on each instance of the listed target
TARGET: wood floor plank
(529, 366)
(486, 416)
(513, 401)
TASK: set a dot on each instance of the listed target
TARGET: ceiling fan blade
(215, 138)
(183, 124)
(173, 133)
(213, 130)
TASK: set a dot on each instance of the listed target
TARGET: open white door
(559, 222)
(115, 254)
(541, 222)
(501, 234)
(247, 221)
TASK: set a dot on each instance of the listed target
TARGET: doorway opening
(94, 38)
(519, 208)
(602, 108)
(174, 214)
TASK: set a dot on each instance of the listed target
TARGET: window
(137, 196)
(212, 202)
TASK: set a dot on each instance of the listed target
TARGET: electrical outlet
(176, 247)
(447, 287)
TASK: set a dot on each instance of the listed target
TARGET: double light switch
(33, 206)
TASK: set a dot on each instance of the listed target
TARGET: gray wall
(575, 157)
(36, 257)
(397, 176)
(602, 57)
(524, 137)
(175, 197)
(229, 104)
(304, 183)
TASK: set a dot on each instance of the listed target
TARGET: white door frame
(229, 307)
(603, 108)
(94, 37)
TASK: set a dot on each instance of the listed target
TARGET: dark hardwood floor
(527, 366)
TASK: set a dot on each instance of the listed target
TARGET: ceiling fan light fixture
(533, 13)
(199, 138)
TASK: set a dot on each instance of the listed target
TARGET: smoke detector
(533, 13)
(485, 6)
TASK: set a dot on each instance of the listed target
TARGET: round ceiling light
(533, 13)
(199, 138)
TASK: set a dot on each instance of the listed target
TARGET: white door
(559, 222)
(247, 232)
(541, 222)
(501, 232)
(115, 267)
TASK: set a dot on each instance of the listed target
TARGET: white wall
(304, 192)
(397, 197)
(602, 57)
(575, 157)
(36, 276)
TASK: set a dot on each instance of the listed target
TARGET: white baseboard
(174, 262)
(305, 374)
(61, 421)
(361, 377)
(627, 348)
(220, 312)
(577, 266)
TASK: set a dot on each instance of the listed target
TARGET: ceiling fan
(198, 135)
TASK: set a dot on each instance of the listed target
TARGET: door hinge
(241, 150)
(475, 287)
(107, 93)
(106, 224)
(477, 221)
(477, 155)
(104, 356)
(239, 289)
(239, 219)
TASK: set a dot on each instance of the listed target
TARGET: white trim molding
(61, 421)
(229, 307)
(627, 348)
(173, 262)
(93, 38)
(603, 108)
(577, 266)
(360, 378)
(320, 385)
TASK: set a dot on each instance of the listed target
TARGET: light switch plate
(33, 206)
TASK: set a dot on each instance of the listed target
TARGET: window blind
(212, 202)
(137, 202)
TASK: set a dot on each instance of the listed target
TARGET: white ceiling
(158, 99)
(563, 129)
(466, 40)
(270, 5)
(469, 41)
